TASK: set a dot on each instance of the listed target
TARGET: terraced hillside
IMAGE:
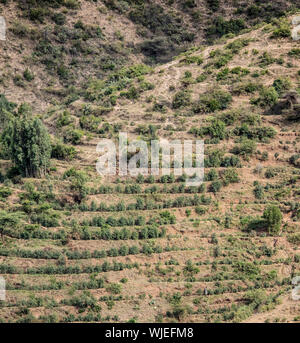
(78, 247)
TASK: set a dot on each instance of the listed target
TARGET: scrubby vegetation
(76, 246)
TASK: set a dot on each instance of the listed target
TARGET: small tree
(28, 145)
(78, 183)
(273, 217)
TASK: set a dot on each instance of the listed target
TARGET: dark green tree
(28, 145)
(273, 217)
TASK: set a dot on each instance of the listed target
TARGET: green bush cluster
(62, 151)
(261, 133)
(267, 97)
(221, 27)
(282, 84)
(282, 29)
(181, 99)
(246, 148)
(213, 100)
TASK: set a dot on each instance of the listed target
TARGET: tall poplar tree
(28, 145)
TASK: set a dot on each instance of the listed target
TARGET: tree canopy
(28, 145)
(273, 217)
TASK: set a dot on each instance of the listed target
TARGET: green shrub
(265, 59)
(192, 59)
(211, 175)
(59, 18)
(295, 52)
(78, 183)
(38, 14)
(259, 191)
(267, 97)
(18, 81)
(114, 288)
(5, 192)
(9, 220)
(63, 72)
(221, 27)
(28, 75)
(270, 172)
(201, 77)
(132, 93)
(231, 161)
(63, 119)
(236, 45)
(73, 136)
(89, 122)
(215, 186)
(217, 129)
(242, 313)
(63, 152)
(181, 99)
(251, 119)
(282, 84)
(248, 268)
(261, 133)
(146, 86)
(200, 210)
(157, 20)
(223, 59)
(229, 175)
(295, 160)
(213, 101)
(282, 29)
(230, 117)
(214, 159)
(223, 74)
(19, 29)
(82, 301)
(47, 219)
(240, 71)
(245, 88)
(246, 148)
(256, 298)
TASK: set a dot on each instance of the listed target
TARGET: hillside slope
(65, 42)
(80, 247)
